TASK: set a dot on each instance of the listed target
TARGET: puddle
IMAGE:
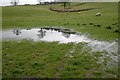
(60, 35)
(44, 34)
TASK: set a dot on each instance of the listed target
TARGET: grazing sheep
(98, 14)
(67, 12)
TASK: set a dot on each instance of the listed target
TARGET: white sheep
(98, 14)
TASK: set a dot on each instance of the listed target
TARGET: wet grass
(41, 59)
(40, 16)
(29, 58)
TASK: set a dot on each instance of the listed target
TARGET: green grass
(44, 59)
(32, 57)
(41, 16)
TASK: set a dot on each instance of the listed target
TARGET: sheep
(67, 12)
(98, 14)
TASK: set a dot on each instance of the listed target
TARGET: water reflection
(17, 32)
(41, 33)
(67, 35)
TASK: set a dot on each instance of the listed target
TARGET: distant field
(40, 16)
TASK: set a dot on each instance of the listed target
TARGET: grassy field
(30, 59)
(23, 59)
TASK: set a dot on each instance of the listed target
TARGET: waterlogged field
(28, 58)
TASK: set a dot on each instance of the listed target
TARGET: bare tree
(14, 2)
(39, 1)
(66, 3)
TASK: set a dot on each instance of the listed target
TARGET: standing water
(58, 35)
(65, 36)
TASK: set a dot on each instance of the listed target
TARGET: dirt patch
(72, 10)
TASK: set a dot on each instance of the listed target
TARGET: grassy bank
(41, 16)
